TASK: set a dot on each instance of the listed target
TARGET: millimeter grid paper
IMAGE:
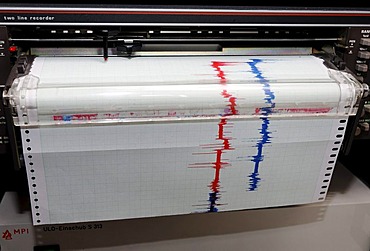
(118, 172)
(92, 172)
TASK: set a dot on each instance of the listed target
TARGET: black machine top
(193, 4)
(199, 13)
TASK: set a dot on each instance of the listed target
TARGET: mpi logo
(8, 235)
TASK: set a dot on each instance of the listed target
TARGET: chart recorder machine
(136, 111)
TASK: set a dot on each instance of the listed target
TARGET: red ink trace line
(224, 141)
(69, 117)
(226, 146)
(258, 111)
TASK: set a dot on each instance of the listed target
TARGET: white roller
(87, 89)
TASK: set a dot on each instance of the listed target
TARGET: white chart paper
(270, 135)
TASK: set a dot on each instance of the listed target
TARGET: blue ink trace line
(254, 178)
